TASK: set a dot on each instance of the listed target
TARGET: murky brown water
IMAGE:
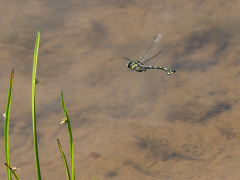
(187, 123)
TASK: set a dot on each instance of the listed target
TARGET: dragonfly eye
(129, 64)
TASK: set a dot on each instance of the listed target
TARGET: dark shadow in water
(96, 35)
(160, 149)
(53, 107)
(26, 126)
(215, 111)
(61, 6)
(227, 132)
(191, 65)
(188, 113)
(200, 41)
(112, 174)
(117, 3)
(133, 164)
(22, 40)
(176, 156)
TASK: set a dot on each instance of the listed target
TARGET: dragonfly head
(129, 64)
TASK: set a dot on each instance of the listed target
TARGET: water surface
(186, 125)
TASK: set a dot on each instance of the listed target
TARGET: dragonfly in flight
(141, 64)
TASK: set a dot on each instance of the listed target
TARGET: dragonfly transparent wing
(152, 60)
(127, 59)
(151, 48)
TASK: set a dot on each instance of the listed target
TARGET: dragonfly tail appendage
(169, 71)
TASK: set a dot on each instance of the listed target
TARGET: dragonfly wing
(151, 48)
(127, 59)
(153, 59)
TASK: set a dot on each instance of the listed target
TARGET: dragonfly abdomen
(169, 71)
(155, 67)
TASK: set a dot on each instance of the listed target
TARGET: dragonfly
(141, 64)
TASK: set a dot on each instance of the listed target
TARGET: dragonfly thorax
(136, 66)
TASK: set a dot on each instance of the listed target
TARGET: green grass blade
(6, 125)
(64, 160)
(12, 170)
(33, 105)
(70, 136)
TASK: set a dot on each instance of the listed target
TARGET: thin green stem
(6, 125)
(64, 160)
(70, 136)
(33, 105)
